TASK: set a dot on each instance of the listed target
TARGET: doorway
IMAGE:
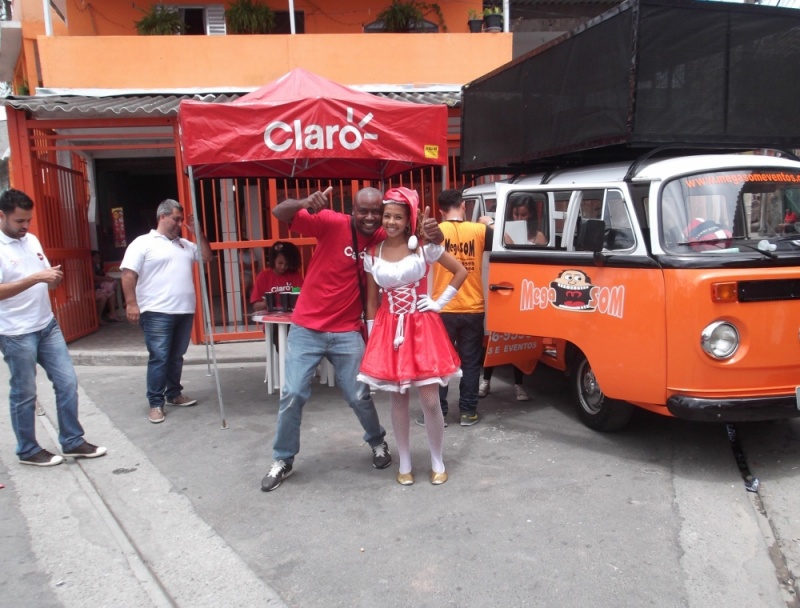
(128, 193)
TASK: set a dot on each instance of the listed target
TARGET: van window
(469, 206)
(619, 229)
(539, 219)
(560, 206)
(723, 210)
(592, 205)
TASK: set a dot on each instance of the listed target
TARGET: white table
(282, 321)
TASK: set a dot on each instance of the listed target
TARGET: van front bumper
(733, 410)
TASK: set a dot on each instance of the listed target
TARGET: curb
(123, 358)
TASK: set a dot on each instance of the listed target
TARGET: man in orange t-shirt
(463, 317)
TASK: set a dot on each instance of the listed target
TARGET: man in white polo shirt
(159, 296)
(29, 333)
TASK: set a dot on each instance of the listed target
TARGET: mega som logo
(280, 136)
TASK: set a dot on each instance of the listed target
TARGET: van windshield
(729, 211)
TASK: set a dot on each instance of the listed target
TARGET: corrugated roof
(154, 105)
(124, 106)
(451, 99)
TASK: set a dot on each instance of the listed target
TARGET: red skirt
(425, 356)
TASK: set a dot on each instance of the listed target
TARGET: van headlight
(720, 340)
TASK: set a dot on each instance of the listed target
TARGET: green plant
(249, 17)
(160, 20)
(405, 15)
(474, 15)
(492, 10)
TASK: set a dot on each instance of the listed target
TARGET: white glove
(426, 304)
(370, 323)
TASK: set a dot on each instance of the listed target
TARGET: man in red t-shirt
(326, 321)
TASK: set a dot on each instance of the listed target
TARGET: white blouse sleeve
(368, 262)
(432, 252)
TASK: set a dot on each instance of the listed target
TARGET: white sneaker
(520, 393)
(483, 389)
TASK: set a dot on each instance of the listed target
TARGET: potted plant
(408, 16)
(160, 20)
(493, 19)
(475, 21)
(249, 17)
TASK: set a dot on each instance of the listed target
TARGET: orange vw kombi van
(669, 284)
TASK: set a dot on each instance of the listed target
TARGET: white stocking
(401, 424)
(434, 424)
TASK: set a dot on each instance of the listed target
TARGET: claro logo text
(280, 136)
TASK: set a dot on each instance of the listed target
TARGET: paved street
(538, 511)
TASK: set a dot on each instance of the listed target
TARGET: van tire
(595, 410)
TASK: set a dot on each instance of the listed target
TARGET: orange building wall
(117, 17)
(119, 62)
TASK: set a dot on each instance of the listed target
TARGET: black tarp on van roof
(644, 74)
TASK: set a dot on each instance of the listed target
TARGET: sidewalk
(123, 344)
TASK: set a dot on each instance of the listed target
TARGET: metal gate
(63, 229)
(235, 215)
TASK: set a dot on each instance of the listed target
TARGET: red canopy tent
(305, 126)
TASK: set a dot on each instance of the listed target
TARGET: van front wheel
(595, 410)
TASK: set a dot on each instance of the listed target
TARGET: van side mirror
(591, 235)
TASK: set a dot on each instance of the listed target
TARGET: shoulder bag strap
(361, 288)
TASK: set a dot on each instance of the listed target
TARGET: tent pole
(206, 307)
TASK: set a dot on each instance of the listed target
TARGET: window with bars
(203, 20)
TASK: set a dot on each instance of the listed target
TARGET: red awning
(305, 126)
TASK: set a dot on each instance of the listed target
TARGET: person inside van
(522, 209)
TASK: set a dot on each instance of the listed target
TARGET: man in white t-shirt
(29, 333)
(159, 296)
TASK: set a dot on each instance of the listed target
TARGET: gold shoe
(438, 479)
(405, 479)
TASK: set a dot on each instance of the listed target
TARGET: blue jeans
(167, 338)
(304, 351)
(47, 348)
(466, 333)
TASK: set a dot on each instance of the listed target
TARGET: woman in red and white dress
(408, 344)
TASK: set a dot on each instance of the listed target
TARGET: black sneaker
(42, 458)
(421, 421)
(277, 473)
(86, 450)
(381, 458)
